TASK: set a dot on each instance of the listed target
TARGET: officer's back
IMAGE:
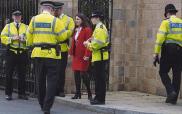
(47, 29)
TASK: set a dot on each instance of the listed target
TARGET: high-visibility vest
(45, 29)
(9, 32)
(170, 31)
(100, 40)
(69, 26)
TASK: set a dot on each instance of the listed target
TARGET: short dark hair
(172, 12)
(85, 20)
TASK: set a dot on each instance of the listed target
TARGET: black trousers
(100, 80)
(46, 80)
(62, 70)
(82, 75)
(171, 58)
(16, 62)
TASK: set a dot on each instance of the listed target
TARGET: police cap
(16, 12)
(170, 8)
(47, 3)
(58, 5)
(97, 14)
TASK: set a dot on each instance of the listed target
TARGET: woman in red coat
(81, 56)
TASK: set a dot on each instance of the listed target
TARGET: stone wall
(135, 24)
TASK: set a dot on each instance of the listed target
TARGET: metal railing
(29, 9)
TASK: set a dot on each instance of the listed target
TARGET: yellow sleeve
(60, 31)
(161, 36)
(29, 35)
(71, 27)
(5, 35)
(99, 39)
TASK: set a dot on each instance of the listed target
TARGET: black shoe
(9, 97)
(46, 112)
(61, 95)
(172, 98)
(96, 102)
(23, 97)
(41, 106)
(77, 96)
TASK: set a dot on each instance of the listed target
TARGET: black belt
(62, 42)
(17, 49)
(48, 47)
(102, 50)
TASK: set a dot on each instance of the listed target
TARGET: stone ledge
(125, 103)
(98, 109)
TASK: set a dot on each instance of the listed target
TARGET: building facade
(134, 27)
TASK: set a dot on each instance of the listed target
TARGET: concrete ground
(31, 106)
(126, 103)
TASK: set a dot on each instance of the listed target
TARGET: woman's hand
(86, 58)
(85, 43)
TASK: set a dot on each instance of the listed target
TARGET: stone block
(119, 14)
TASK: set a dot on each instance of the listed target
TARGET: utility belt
(16, 49)
(172, 43)
(48, 47)
(63, 42)
(102, 50)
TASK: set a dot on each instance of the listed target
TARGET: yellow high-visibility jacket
(45, 29)
(100, 39)
(170, 31)
(9, 32)
(69, 26)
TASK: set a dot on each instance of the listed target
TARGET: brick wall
(135, 23)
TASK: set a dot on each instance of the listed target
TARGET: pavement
(31, 106)
(125, 103)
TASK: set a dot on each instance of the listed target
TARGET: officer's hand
(15, 38)
(156, 60)
(86, 58)
(22, 38)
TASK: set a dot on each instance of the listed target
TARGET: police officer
(43, 34)
(13, 36)
(169, 42)
(69, 26)
(98, 44)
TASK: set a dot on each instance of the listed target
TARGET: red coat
(78, 50)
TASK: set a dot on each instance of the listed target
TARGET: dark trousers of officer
(62, 70)
(171, 56)
(81, 75)
(16, 62)
(100, 80)
(46, 80)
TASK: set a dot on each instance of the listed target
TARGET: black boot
(86, 81)
(23, 97)
(78, 85)
(89, 96)
(9, 97)
(172, 98)
(77, 96)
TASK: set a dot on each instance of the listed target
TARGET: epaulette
(101, 26)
